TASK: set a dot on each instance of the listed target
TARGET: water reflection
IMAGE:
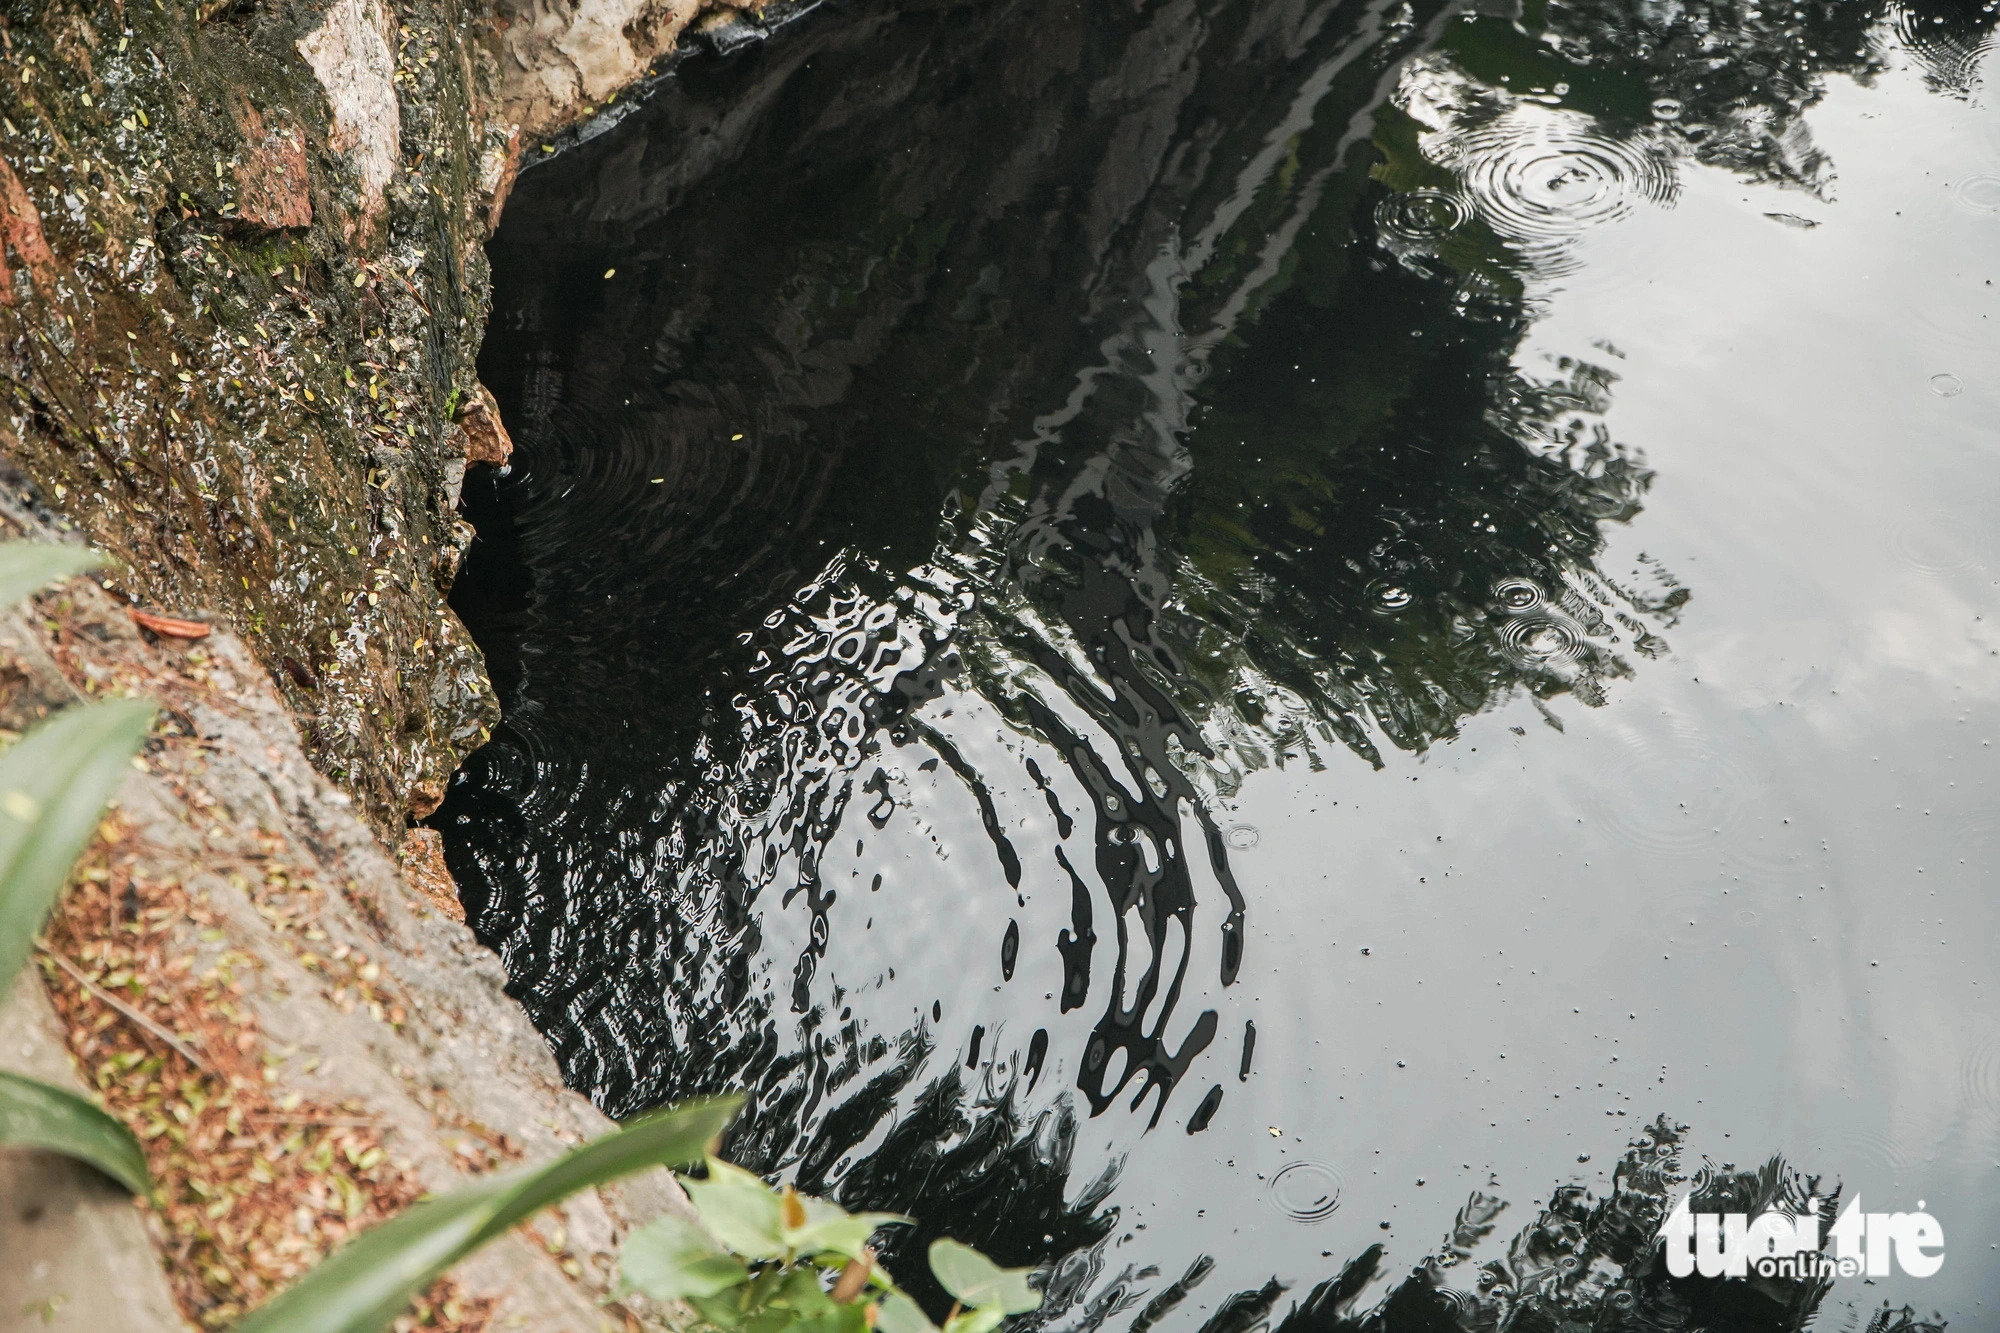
(952, 467)
(1581, 1261)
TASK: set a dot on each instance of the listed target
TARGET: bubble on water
(1539, 641)
(1421, 216)
(1390, 597)
(1242, 837)
(1622, 1300)
(1947, 386)
(1306, 1191)
(1667, 108)
(1981, 194)
(1543, 178)
(1519, 594)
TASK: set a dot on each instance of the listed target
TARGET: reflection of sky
(1748, 892)
(1825, 706)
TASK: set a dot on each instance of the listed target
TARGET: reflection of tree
(1735, 74)
(1583, 1262)
(1385, 568)
(964, 1161)
(871, 331)
(1154, 380)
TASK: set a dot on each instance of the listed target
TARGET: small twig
(347, 1122)
(181, 1048)
(236, 860)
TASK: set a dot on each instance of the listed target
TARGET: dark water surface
(1292, 658)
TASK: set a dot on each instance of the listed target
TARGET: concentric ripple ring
(1421, 216)
(1540, 179)
(1306, 1191)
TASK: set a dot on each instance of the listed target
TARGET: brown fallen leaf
(170, 627)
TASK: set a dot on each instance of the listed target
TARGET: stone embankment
(242, 290)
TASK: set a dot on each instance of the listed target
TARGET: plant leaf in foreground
(979, 1282)
(900, 1314)
(670, 1259)
(829, 1228)
(739, 1210)
(53, 785)
(369, 1282)
(26, 567)
(35, 1115)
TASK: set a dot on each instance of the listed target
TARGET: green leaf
(981, 1319)
(670, 1259)
(36, 1115)
(369, 1282)
(27, 567)
(724, 1310)
(828, 1319)
(977, 1281)
(739, 1210)
(829, 1227)
(780, 1300)
(900, 1314)
(53, 785)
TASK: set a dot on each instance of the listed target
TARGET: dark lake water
(1295, 659)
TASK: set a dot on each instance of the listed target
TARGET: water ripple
(1306, 1191)
(1950, 55)
(1979, 1079)
(1519, 595)
(1668, 790)
(1421, 216)
(1858, 1154)
(1936, 542)
(1541, 178)
(1539, 640)
(1981, 194)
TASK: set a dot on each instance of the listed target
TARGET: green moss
(255, 421)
